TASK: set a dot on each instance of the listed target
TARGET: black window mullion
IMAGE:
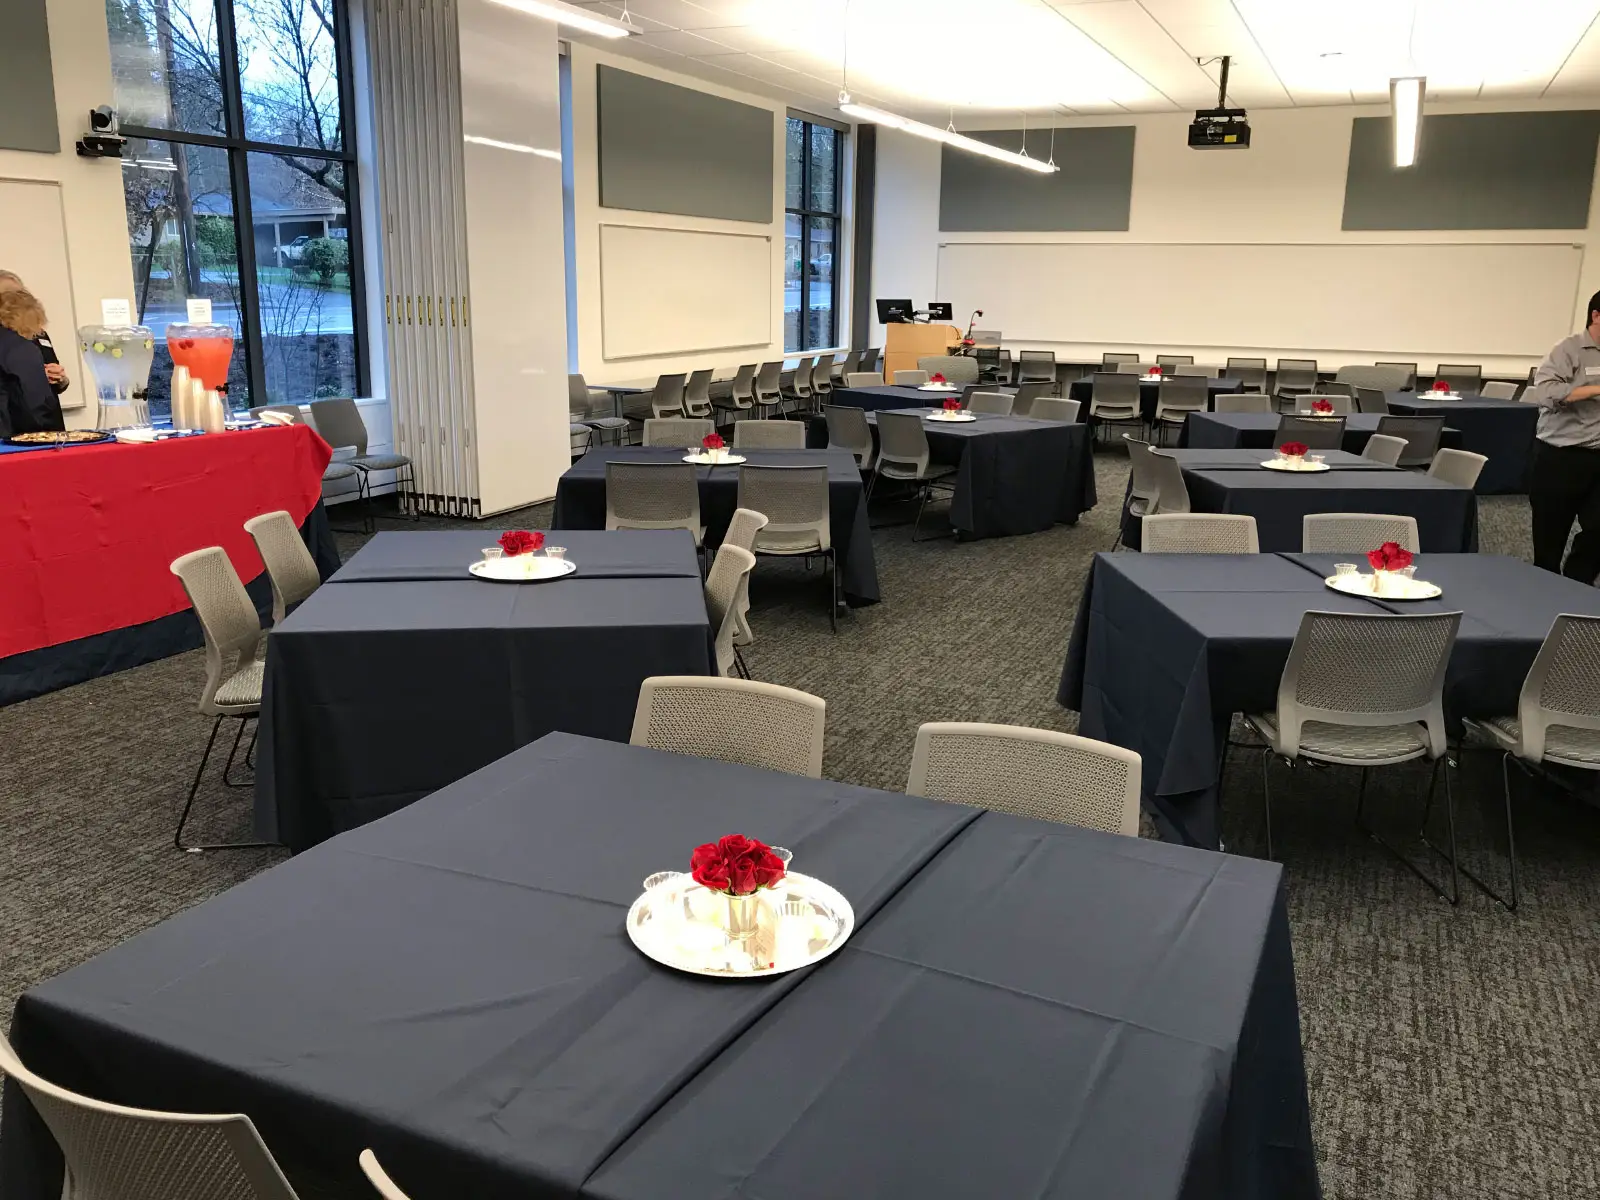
(352, 196)
(243, 216)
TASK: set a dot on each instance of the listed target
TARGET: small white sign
(199, 312)
(115, 312)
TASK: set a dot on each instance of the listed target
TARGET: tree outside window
(811, 235)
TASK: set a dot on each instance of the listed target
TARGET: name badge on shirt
(1591, 370)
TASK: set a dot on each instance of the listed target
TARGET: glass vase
(744, 916)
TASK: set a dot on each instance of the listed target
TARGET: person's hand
(1588, 391)
(57, 374)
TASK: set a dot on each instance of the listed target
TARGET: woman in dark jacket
(27, 402)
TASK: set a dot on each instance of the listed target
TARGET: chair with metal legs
(903, 454)
(795, 502)
(379, 1178)
(290, 567)
(339, 423)
(742, 532)
(234, 666)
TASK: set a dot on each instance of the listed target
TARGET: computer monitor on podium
(940, 310)
(894, 312)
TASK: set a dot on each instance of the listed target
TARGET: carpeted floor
(1452, 1053)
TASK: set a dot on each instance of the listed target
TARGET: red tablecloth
(87, 533)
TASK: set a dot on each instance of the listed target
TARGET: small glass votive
(490, 553)
(559, 553)
(1344, 569)
(785, 854)
(1316, 460)
(1408, 572)
(651, 882)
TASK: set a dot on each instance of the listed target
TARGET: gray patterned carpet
(1452, 1053)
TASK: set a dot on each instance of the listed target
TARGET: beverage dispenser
(118, 358)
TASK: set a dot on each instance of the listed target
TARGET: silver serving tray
(1397, 587)
(1285, 464)
(706, 460)
(959, 418)
(523, 568)
(681, 925)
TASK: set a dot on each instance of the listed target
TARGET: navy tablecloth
(452, 987)
(446, 554)
(1503, 430)
(1166, 647)
(581, 502)
(378, 693)
(892, 396)
(1082, 390)
(1220, 431)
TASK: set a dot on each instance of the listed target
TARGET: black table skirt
(874, 399)
(50, 668)
(1082, 390)
(1258, 431)
(452, 987)
(581, 502)
(1502, 430)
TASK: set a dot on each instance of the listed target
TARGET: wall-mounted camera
(102, 139)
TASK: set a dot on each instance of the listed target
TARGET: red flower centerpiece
(1323, 408)
(951, 406)
(937, 377)
(1391, 556)
(520, 541)
(1439, 385)
(712, 444)
(1156, 370)
(1293, 449)
(739, 868)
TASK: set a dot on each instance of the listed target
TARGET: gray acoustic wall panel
(27, 87)
(1091, 191)
(1515, 170)
(671, 149)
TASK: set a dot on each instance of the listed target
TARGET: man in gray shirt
(1565, 473)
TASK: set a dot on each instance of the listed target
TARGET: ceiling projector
(1220, 128)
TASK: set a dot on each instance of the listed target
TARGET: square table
(1014, 474)
(1082, 391)
(1501, 430)
(452, 986)
(380, 691)
(1166, 647)
(581, 501)
(895, 395)
(1220, 431)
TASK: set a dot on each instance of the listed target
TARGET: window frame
(806, 214)
(239, 148)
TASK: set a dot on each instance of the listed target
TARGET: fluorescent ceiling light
(572, 17)
(515, 147)
(1405, 95)
(949, 137)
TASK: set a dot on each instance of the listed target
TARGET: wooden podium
(904, 344)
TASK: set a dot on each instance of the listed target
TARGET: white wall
(652, 296)
(1288, 187)
(91, 192)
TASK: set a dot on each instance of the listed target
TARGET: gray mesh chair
(580, 435)
(1295, 375)
(1251, 372)
(1029, 773)
(995, 403)
(822, 378)
(727, 583)
(234, 665)
(860, 379)
(113, 1152)
(769, 387)
(903, 455)
(379, 1178)
(741, 391)
(1461, 467)
(1371, 400)
(1144, 484)
(654, 496)
(988, 359)
(290, 567)
(957, 368)
(848, 363)
(1176, 397)
(1027, 395)
(797, 393)
(795, 502)
(677, 431)
(1242, 402)
(732, 720)
(1132, 367)
(592, 407)
(1198, 533)
(1364, 690)
(1036, 366)
(1462, 377)
(1174, 360)
(1420, 434)
(1498, 389)
(1384, 379)
(1356, 533)
(1557, 720)
(1115, 400)
(1054, 408)
(1342, 404)
(1191, 369)
(339, 423)
(1382, 448)
(1410, 368)
(769, 435)
(910, 378)
(1337, 387)
(697, 395)
(1172, 494)
(666, 398)
(1315, 433)
(1112, 357)
(848, 430)
(870, 359)
(742, 532)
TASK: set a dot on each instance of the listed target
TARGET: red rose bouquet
(1322, 407)
(936, 377)
(1292, 449)
(1439, 385)
(712, 441)
(1155, 370)
(1391, 556)
(520, 541)
(952, 406)
(736, 865)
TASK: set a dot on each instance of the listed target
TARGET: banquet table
(1220, 431)
(1082, 390)
(896, 396)
(581, 501)
(87, 535)
(403, 674)
(1014, 474)
(1166, 647)
(1501, 430)
(478, 1017)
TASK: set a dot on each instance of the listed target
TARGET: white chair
(676, 431)
(697, 395)
(593, 407)
(769, 387)
(795, 502)
(742, 532)
(1176, 397)
(1461, 467)
(654, 496)
(1242, 402)
(1036, 366)
(1250, 372)
(1306, 403)
(769, 435)
(1113, 357)
(727, 583)
(234, 665)
(1371, 400)
(339, 423)
(290, 567)
(1198, 533)
(1029, 773)
(848, 430)
(379, 1178)
(1054, 408)
(861, 379)
(1144, 485)
(1174, 360)
(822, 382)
(113, 1152)
(1364, 690)
(741, 391)
(1557, 720)
(1382, 448)
(1172, 492)
(1295, 375)
(1498, 389)
(1356, 533)
(904, 454)
(1420, 434)
(957, 368)
(1114, 400)
(666, 398)
(1027, 395)
(994, 403)
(732, 720)
(910, 378)
(1462, 377)
(798, 388)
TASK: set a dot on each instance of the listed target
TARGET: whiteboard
(33, 243)
(676, 291)
(1511, 299)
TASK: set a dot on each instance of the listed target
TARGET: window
(811, 235)
(236, 117)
